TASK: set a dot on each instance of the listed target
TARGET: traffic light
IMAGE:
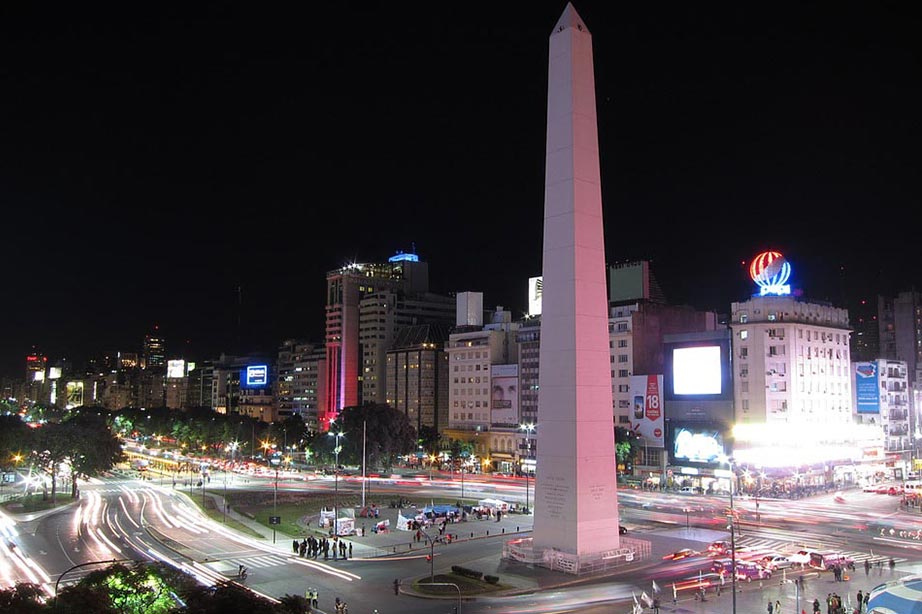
(396, 587)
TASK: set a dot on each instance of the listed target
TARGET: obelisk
(576, 500)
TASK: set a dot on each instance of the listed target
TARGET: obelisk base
(522, 551)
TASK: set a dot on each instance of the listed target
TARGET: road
(129, 519)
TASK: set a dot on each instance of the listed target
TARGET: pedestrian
(816, 606)
(771, 607)
(867, 595)
(294, 546)
(860, 599)
(892, 564)
(777, 607)
(656, 605)
(350, 550)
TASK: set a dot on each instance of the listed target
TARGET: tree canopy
(388, 435)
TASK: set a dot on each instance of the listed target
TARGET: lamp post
(729, 461)
(337, 434)
(529, 429)
(431, 541)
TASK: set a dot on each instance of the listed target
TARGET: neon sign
(771, 272)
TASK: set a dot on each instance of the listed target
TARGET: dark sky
(155, 157)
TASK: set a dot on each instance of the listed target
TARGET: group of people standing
(312, 547)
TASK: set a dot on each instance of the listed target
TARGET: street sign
(275, 520)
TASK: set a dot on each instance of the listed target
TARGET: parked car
(688, 490)
(622, 529)
(774, 563)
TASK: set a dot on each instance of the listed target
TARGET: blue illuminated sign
(867, 388)
(257, 376)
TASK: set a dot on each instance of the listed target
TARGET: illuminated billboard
(255, 376)
(54, 372)
(74, 391)
(175, 368)
(647, 408)
(698, 367)
(867, 388)
(697, 443)
(771, 273)
(504, 398)
(38, 376)
(535, 290)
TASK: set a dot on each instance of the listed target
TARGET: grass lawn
(467, 586)
(34, 503)
(299, 511)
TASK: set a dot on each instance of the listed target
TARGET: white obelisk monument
(576, 500)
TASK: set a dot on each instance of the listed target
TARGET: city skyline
(156, 162)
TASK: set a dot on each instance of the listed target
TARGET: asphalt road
(128, 519)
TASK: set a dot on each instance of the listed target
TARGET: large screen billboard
(698, 443)
(698, 371)
(647, 408)
(74, 391)
(867, 388)
(175, 369)
(504, 398)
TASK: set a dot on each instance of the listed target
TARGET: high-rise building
(900, 330)
(301, 376)
(35, 367)
(881, 398)
(382, 316)
(154, 354)
(245, 385)
(346, 287)
(417, 375)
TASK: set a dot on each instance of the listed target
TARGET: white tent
(495, 504)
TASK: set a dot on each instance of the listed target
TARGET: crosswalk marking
(785, 547)
(269, 560)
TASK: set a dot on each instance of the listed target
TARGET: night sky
(154, 157)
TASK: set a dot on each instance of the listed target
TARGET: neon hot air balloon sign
(771, 272)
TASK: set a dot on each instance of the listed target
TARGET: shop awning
(903, 596)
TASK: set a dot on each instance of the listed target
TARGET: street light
(275, 498)
(529, 429)
(337, 434)
(729, 461)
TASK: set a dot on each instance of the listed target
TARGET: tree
(51, 448)
(429, 439)
(14, 438)
(24, 598)
(225, 598)
(627, 446)
(95, 448)
(388, 434)
(142, 588)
